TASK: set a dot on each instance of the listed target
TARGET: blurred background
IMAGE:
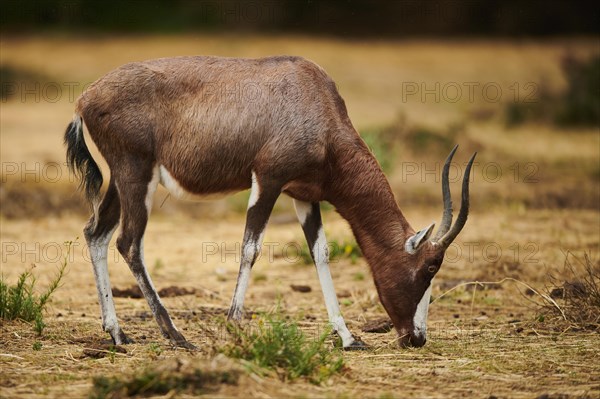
(346, 18)
(517, 81)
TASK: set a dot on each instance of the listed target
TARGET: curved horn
(447, 215)
(447, 239)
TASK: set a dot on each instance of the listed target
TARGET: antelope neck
(366, 201)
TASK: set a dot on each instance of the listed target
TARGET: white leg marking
(250, 251)
(254, 192)
(302, 210)
(321, 253)
(99, 254)
(237, 303)
(420, 318)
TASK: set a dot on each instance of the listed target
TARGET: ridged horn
(447, 198)
(451, 234)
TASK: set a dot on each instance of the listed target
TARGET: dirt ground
(481, 342)
(484, 340)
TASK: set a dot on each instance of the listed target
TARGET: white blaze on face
(420, 318)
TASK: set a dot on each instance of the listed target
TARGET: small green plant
(112, 351)
(37, 345)
(278, 344)
(154, 349)
(346, 302)
(359, 276)
(348, 250)
(20, 302)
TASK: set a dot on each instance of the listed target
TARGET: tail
(81, 163)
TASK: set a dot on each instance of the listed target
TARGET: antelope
(183, 123)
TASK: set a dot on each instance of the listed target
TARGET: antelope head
(407, 294)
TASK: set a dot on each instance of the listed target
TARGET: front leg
(310, 219)
(262, 199)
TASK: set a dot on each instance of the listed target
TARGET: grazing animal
(205, 126)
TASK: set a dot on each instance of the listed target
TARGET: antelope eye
(432, 269)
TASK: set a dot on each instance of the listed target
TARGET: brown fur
(212, 121)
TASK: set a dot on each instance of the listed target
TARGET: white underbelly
(177, 191)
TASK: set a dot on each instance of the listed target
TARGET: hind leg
(98, 233)
(136, 203)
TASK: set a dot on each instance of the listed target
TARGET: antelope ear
(413, 243)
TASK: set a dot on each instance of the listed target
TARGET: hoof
(185, 345)
(234, 316)
(357, 345)
(122, 339)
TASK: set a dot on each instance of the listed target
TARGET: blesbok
(202, 126)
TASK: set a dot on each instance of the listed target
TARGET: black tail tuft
(80, 161)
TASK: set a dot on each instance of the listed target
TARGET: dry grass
(483, 341)
(172, 376)
(577, 290)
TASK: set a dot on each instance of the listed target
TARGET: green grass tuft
(275, 343)
(359, 276)
(20, 302)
